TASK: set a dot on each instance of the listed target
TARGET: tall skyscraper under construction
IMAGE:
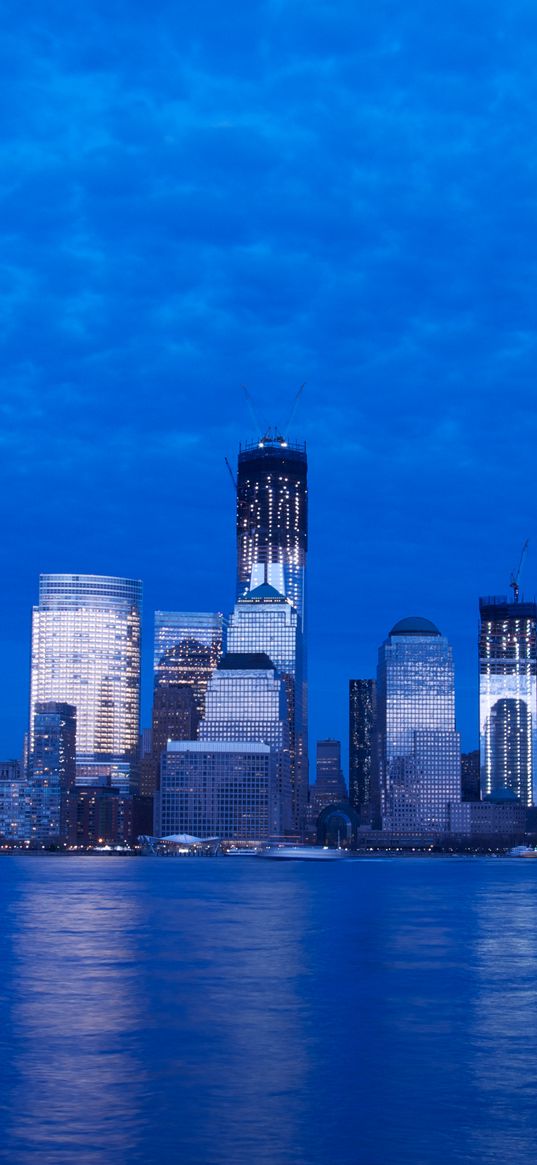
(272, 544)
(272, 518)
(508, 696)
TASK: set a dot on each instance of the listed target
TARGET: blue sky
(199, 196)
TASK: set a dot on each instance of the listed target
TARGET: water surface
(381, 1011)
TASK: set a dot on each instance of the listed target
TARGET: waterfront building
(418, 745)
(272, 518)
(329, 787)
(362, 703)
(499, 815)
(188, 645)
(14, 803)
(225, 789)
(508, 696)
(264, 621)
(86, 652)
(470, 776)
(101, 815)
(246, 701)
(52, 768)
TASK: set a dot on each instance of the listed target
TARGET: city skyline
(467, 697)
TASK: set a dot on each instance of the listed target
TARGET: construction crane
(294, 408)
(232, 475)
(253, 414)
(514, 583)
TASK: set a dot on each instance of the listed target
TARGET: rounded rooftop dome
(415, 625)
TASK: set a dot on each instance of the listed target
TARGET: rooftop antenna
(253, 413)
(294, 407)
(514, 583)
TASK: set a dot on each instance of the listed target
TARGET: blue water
(203, 1011)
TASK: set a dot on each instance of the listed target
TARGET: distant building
(246, 701)
(329, 787)
(508, 696)
(86, 652)
(99, 816)
(52, 768)
(224, 789)
(264, 621)
(188, 645)
(470, 776)
(419, 748)
(362, 792)
(14, 803)
(499, 815)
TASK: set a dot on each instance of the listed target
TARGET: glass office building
(272, 518)
(86, 652)
(418, 746)
(265, 621)
(508, 696)
(246, 700)
(224, 789)
(188, 645)
(52, 769)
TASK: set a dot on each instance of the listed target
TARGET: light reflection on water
(226, 1011)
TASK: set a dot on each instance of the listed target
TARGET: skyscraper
(246, 701)
(86, 652)
(188, 645)
(52, 768)
(419, 748)
(362, 793)
(272, 518)
(508, 696)
(264, 621)
(329, 787)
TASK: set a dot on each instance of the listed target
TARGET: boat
(523, 851)
(303, 853)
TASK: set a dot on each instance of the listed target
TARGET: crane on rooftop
(515, 576)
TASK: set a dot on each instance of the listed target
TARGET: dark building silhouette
(508, 695)
(272, 518)
(329, 787)
(470, 782)
(362, 704)
(100, 816)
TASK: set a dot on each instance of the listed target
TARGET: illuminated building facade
(188, 645)
(86, 652)
(14, 803)
(329, 787)
(264, 621)
(363, 794)
(272, 518)
(224, 789)
(418, 746)
(52, 768)
(508, 696)
(246, 701)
